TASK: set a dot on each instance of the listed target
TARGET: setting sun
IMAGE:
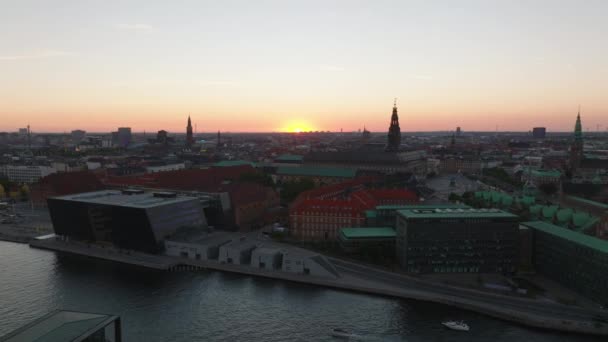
(297, 127)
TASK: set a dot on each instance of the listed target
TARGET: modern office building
(130, 219)
(122, 137)
(353, 240)
(573, 259)
(457, 240)
(25, 173)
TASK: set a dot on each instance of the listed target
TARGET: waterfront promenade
(354, 277)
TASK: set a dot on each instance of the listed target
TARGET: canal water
(215, 306)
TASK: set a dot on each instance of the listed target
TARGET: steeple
(576, 149)
(189, 137)
(578, 127)
(394, 131)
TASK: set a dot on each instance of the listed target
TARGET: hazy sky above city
(323, 65)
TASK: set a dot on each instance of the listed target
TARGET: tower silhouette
(576, 149)
(189, 137)
(394, 131)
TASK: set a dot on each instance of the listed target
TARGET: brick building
(319, 214)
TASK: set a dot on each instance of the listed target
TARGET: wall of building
(457, 245)
(580, 268)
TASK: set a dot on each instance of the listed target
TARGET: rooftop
(590, 202)
(60, 326)
(564, 233)
(368, 232)
(227, 163)
(117, 198)
(289, 158)
(317, 171)
(546, 173)
(455, 213)
(423, 206)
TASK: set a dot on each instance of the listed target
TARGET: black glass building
(130, 219)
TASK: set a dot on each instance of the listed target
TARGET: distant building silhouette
(161, 137)
(394, 131)
(77, 135)
(366, 135)
(539, 132)
(189, 137)
(576, 149)
(122, 137)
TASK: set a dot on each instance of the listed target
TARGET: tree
(454, 197)
(24, 192)
(292, 189)
(548, 188)
(257, 177)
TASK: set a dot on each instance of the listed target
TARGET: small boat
(342, 333)
(460, 326)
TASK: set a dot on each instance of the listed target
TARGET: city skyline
(274, 66)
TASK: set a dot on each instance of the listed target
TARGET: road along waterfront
(364, 279)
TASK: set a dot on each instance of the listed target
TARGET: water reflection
(215, 306)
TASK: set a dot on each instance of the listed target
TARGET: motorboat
(337, 332)
(454, 325)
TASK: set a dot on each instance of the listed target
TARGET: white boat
(460, 326)
(342, 333)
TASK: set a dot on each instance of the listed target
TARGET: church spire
(578, 127)
(576, 149)
(394, 131)
(189, 136)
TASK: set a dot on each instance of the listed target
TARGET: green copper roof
(528, 200)
(590, 202)
(564, 216)
(536, 209)
(317, 171)
(371, 213)
(225, 163)
(60, 326)
(546, 173)
(368, 233)
(580, 219)
(578, 238)
(496, 197)
(423, 206)
(549, 211)
(507, 200)
(455, 213)
(290, 158)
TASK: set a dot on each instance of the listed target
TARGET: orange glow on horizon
(297, 127)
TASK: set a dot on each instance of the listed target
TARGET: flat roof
(116, 197)
(423, 206)
(455, 213)
(368, 232)
(317, 171)
(227, 163)
(564, 233)
(590, 202)
(60, 326)
(290, 157)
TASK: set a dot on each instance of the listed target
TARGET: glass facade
(129, 227)
(458, 244)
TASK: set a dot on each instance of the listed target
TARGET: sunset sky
(323, 65)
